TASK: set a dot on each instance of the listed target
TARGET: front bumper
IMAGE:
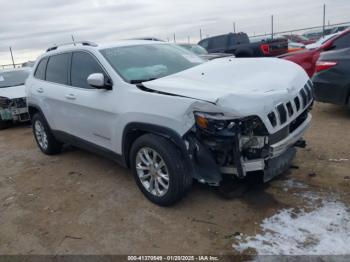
(14, 114)
(14, 110)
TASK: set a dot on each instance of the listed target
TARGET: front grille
(286, 131)
(293, 107)
(282, 113)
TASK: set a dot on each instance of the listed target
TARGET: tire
(44, 137)
(171, 175)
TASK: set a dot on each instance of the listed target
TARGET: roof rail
(84, 43)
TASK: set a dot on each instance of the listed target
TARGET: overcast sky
(31, 26)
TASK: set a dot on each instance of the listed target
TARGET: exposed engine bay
(238, 147)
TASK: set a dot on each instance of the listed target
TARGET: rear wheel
(44, 137)
(159, 170)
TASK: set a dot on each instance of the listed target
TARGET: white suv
(168, 115)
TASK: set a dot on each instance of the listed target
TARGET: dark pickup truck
(240, 45)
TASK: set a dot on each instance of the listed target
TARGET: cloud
(31, 26)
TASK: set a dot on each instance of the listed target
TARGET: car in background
(239, 45)
(339, 29)
(317, 34)
(200, 51)
(321, 41)
(28, 64)
(150, 38)
(293, 47)
(299, 39)
(307, 58)
(13, 105)
(332, 78)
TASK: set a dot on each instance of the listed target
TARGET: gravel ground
(80, 203)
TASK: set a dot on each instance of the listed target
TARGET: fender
(37, 108)
(135, 129)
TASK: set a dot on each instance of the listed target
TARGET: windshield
(14, 78)
(142, 63)
(197, 49)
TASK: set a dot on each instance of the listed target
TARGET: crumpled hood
(245, 85)
(13, 92)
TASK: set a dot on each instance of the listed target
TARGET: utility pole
(73, 40)
(13, 61)
(234, 27)
(272, 26)
(174, 38)
(200, 34)
(324, 19)
(188, 39)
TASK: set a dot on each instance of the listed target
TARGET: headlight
(214, 122)
(220, 124)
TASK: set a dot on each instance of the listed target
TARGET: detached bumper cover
(279, 165)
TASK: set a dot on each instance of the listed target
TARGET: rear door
(53, 90)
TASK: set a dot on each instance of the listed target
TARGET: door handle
(40, 90)
(71, 97)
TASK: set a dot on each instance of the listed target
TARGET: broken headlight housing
(218, 123)
(215, 123)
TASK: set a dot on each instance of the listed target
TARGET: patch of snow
(323, 231)
(292, 183)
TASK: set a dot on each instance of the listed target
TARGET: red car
(307, 58)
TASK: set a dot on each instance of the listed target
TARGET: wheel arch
(135, 130)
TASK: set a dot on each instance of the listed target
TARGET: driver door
(90, 112)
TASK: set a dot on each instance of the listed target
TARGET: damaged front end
(219, 145)
(13, 110)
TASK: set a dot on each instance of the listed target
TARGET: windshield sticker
(192, 58)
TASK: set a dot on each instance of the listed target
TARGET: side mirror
(98, 81)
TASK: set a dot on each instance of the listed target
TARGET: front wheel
(43, 136)
(159, 170)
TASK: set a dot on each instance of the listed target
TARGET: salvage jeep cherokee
(168, 115)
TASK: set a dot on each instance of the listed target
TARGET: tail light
(324, 65)
(265, 49)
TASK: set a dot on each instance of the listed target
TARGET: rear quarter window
(41, 69)
(58, 68)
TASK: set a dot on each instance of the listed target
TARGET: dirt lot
(80, 203)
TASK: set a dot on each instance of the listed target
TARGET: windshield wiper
(139, 81)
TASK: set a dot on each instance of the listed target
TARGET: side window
(342, 42)
(204, 43)
(57, 68)
(83, 65)
(41, 69)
